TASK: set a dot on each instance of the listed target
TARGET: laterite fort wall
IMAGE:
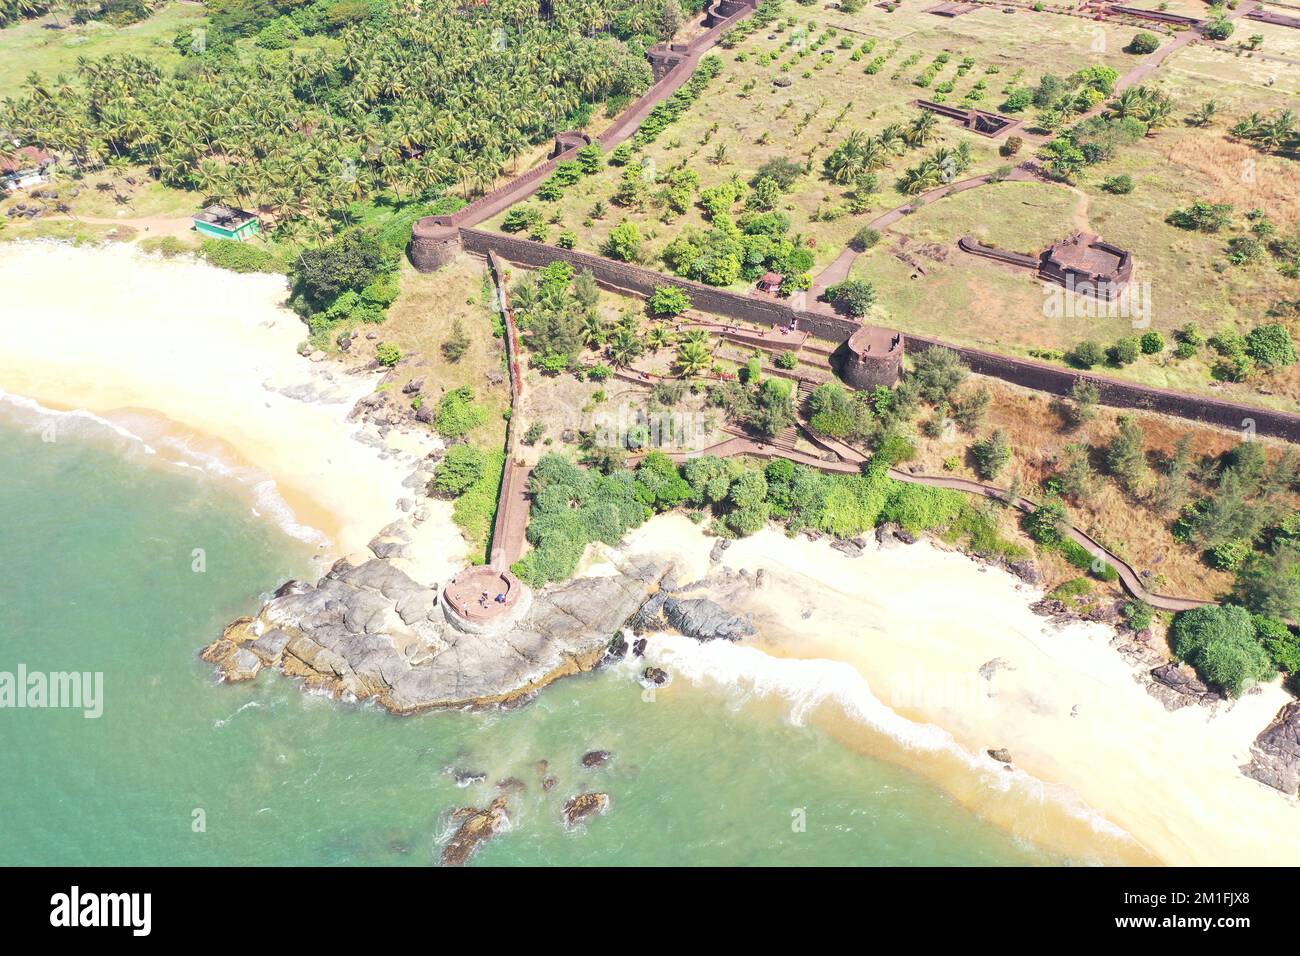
(623, 277)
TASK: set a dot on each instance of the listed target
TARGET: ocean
(117, 561)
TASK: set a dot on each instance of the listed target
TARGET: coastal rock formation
(370, 631)
(1176, 685)
(706, 620)
(1275, 757)
(479, 827)
(1001, 755)
(577, 809)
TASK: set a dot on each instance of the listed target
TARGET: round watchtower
(434, 242)
(875, 357)
(481, 599)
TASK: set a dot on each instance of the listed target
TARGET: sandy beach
(201, 364)
(885, 651)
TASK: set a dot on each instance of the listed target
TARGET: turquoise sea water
(96, 545)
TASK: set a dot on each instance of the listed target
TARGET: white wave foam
(808, 684)
(182, 453)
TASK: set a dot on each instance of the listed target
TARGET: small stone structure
(1086, 264)
(1160, 16)
(571, 139)
(1082, 262)
(983, 122)
(875, 357)
(953, 9)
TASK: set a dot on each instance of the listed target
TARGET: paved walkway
(748, 447)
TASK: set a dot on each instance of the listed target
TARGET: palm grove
(384, 100)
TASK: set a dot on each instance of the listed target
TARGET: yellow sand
(1122, 780)
(190, 356)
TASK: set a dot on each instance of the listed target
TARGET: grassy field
(829, 94)
(40, 46)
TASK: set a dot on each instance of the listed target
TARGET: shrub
(1220, 642)
(864, 238)
(1121, 185)
(460, 468)
(787, 360)
(669, 300)
(853, 297)
(1087, 354)
(388, 354)
(937, 374)
(1271, 346)
(624, 242)
(1282, 645)
(1143, 43)
(239, 256)
(457, 414)
(1153, 343)
(476, 508)
(1125, 351)
(1202, 217)
(1012, 145)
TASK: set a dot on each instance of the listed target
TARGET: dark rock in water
(479, 827)
(638, 649)
(548, 783)
(617, 648)
(467, 778)
(1026, 571)
(292, 587)
(1275, 757)
(852, 547)
(719, 546)
(706, 620)
(511, 785)
(577, 809)
(1001, 755)
(1183, 682)
(655, 675)
(595, 758)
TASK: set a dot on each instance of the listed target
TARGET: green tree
(992, 454)
(1126, 455)
(1220, 643)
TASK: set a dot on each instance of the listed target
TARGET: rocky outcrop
(584, 805)
(706, 620)
(1176, 685)
(594, 759)
(479, 827)
(891, 533)
(1000, 754)
(1275, 756)
(371, 632)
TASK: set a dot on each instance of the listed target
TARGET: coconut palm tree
(692, 358)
